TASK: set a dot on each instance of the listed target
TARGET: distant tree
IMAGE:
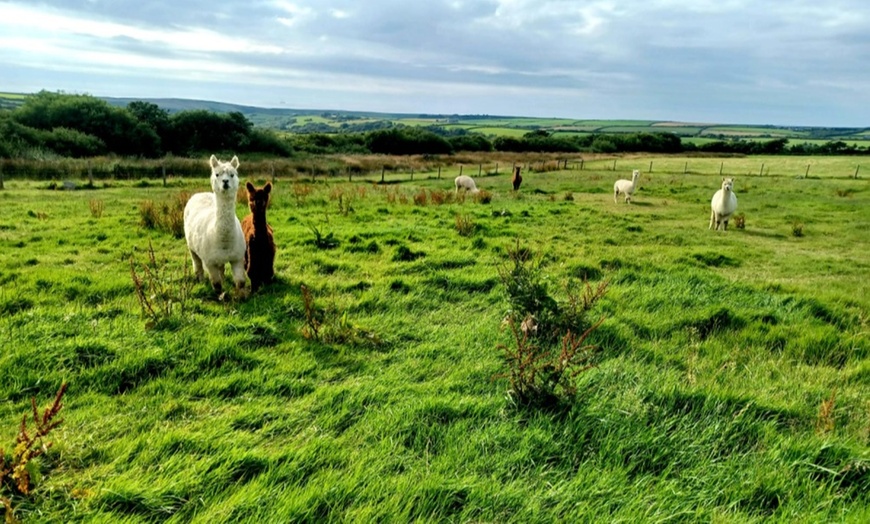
(407, 141)
(116, 127)
(470, 143)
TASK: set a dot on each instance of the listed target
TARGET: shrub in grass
(163, 295)
(16, 472)
(740, 221)
(548, 346)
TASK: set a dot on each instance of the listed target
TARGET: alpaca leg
(216, 275)
(615, 194)
(197, 266)
(239, 276)
(712, 219)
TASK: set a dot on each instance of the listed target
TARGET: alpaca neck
(225, 211)
(260, 224)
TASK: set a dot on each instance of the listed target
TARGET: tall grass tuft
(96, 206)
(465, 225)
(168, 216)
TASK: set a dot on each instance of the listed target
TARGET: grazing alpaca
(465, 182)
(626, 187)
(212, 230)
(517, 179)
(723, 205)
(260, 256)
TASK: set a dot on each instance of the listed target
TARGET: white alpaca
(465, 182)
(723, 205)
(626, 187)
(214, 235)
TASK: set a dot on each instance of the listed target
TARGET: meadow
(730, 379)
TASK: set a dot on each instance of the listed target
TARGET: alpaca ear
(250, 187)
(235, 162)
(267, 188)
(213, 161)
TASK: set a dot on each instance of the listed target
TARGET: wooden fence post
(460, 169)
(807, 173)
(382, 174)
(761, 172)
(479, 169)
(496, 168)
(439, 172)
(614, 164)
(720, 167)
(272, 168)
(686, 168)
(90, 174)
(1, 176)
(581, 164)
(650, 166)
(412, 174)
(856, 170)
(163, 172)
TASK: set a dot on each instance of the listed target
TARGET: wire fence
(70, 172)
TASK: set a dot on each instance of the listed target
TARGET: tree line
(80, 126)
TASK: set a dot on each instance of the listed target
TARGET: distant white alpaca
(626, 187)
(723, 205)
(465, 182)
(214, 235)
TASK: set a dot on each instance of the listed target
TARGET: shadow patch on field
(711, 321)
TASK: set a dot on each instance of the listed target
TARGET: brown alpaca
(260, 253)
(517, 179)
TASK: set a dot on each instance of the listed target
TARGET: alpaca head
(635, 175)
(224, 176)
(258, 199)
(727, 184)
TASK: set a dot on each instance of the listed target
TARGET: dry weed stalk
(825, 418)
(15, 474)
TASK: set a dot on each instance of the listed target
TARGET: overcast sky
(784, 62)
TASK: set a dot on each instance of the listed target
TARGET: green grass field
(731, 379)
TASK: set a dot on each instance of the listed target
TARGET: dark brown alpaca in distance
(260, 253)
(517, 179)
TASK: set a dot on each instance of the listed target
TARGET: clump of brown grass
(740, 221)
(439, 196)
(300, 192)
(420, 198)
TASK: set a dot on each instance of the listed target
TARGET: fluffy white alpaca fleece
(723, 205)
(211, 228)
(465, 182)
(626, 187)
